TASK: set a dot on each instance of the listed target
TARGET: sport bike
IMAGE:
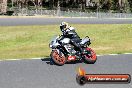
(62, 51)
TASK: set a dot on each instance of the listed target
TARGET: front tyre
(58, 57)
(90, 57)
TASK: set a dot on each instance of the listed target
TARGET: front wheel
(90, 57)
(58, 57)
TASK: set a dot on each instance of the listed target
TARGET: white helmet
(63, 26)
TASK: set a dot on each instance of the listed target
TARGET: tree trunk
(121, 5)
(83, 3)
(3, 6)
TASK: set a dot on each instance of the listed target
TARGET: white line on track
(21, 59)
(44, 57)
(110, 54)
(127, 53)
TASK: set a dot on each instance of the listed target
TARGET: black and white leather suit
(74, 38)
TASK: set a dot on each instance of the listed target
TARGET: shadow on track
(48, 60)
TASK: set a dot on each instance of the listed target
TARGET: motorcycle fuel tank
(65, 41)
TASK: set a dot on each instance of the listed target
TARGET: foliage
(103, 5)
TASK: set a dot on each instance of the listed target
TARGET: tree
(130, 5)
(105, 4)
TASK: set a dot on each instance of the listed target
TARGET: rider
(69, 32)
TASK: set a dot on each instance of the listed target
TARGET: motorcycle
(63, 51)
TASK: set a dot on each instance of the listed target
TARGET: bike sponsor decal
(71, 58)
(83, 78)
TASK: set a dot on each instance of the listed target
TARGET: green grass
(32, 41)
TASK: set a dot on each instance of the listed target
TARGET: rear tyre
(91, 57)
(58, 57)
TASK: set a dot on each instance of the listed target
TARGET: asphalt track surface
(40, 74)
(45, 21)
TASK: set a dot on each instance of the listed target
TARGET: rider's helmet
(63, 26)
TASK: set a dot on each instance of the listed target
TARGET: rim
(58, 58)
(92, 56)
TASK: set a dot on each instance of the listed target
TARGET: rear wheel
(90, 57)
(58, 57)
